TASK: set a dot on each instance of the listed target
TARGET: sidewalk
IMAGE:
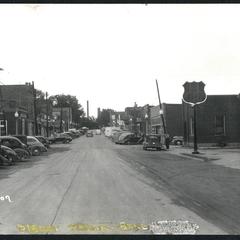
(227, 157)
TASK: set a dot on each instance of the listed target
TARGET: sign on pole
(194, 94)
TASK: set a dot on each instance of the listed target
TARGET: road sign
(194, 92)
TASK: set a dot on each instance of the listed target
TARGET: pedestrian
(167, 141)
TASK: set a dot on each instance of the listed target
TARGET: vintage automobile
(121, 136)
(17, 145)
(153, 141)
(43, 140)
(89, 134)
(177, 140)
(76, 133)
(71, 134)
(131, 139)
(7, 155)
(60, 138)
(35, 146)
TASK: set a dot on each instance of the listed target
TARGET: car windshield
(31, 140)
(153, 138)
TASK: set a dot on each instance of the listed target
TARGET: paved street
(93, 181)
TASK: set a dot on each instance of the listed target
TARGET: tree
(90, 123)
(69, 101)
(40, 102)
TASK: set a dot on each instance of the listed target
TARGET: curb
(206, 159)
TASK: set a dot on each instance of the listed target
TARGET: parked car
(35, 146)
(60, 138)
(71, 134)
(89, 134)
(43, 140)
(75, 132)
(22, 138)
(122, 135)
(14, 143)
(7, 155)
(116, 136)
(131, 139)
(177, 140)
(153, 141)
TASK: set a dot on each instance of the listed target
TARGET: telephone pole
(35, 109)
(47, 113)
(161, 110)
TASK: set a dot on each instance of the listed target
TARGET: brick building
(17, 109)
(217, 121)
(135, 119)
(173, 117)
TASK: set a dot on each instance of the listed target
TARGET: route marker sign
(194, 94)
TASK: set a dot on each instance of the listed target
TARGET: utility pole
(161, 110)
(61, 127)
(35, 109)
(47, 112)
(195, 149)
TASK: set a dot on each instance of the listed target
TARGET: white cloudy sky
(112, 54)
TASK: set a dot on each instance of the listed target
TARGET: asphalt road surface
(92, 182)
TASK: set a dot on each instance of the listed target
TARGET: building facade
(173, 119)
(17, 109)
(217, 121)
(135, 119)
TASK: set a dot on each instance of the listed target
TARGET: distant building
(217, 121)
(173, 118)
(17, 109)
(117, 119)
(64, 114)
(135, 119)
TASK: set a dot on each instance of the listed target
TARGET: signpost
(194, 94)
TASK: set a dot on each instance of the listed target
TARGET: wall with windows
(217, 120)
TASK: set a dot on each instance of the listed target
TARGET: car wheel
(26, 155)
(36, 152)
(9, 160)
(178, 142)
(19, 154)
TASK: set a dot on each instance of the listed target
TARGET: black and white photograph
(120, 119)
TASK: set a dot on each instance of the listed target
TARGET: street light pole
(61, 119)
(16, 115)
(47, 111)
(146, 120)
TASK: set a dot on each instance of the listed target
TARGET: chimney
(87, 109)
